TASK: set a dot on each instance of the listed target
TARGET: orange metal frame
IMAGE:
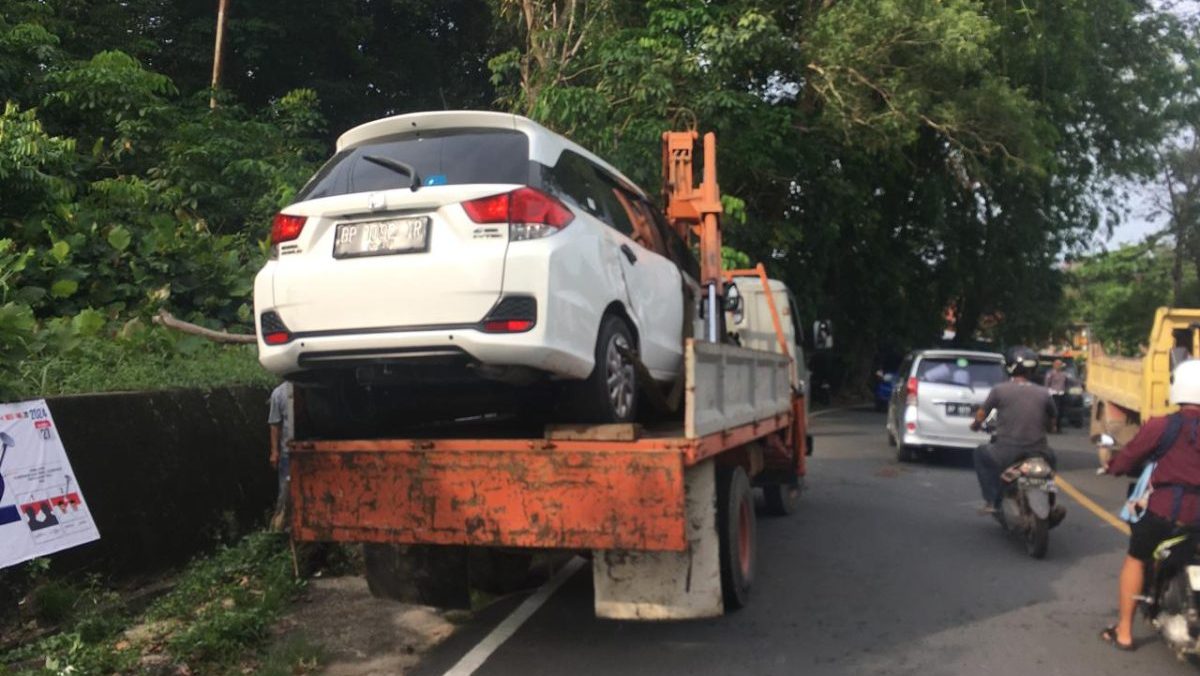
(505, 492)
(694, 209)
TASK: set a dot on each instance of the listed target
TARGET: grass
(153, 359)
(215, 620)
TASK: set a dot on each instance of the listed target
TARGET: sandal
(1109, 636)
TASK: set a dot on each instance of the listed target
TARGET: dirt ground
(362, 635)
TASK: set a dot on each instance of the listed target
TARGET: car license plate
(960, 409)
(1194, 577)
(378, 238)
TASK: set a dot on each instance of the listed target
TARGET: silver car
(935, 397)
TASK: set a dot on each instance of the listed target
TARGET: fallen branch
(168, 320)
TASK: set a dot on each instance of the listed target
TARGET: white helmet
(1185, 383)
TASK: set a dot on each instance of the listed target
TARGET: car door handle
(629, 254)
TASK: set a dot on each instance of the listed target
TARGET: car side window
(617, 213)
(573, 179)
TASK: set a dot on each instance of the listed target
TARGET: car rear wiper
(398, 167)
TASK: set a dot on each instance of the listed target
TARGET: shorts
(1147, 534)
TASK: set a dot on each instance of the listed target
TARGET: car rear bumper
(965, 442)
(450, 344)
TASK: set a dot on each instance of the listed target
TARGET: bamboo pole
(218, 52)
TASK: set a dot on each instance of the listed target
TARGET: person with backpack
(1172, 443)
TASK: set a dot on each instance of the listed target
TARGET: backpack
(1139, 493)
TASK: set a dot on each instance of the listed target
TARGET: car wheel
(609, 395)
(905, 453)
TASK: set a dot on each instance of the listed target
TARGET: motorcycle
(1170, 598)
(1027, 502)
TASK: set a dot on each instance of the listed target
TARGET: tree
(895, 158)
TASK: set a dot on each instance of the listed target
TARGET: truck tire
(737, 533)
(609, 395)
(782, 499)
(498, 571)
(429, 575)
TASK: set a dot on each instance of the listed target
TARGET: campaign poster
(42, 509)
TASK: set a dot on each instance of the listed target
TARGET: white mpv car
(475, 248)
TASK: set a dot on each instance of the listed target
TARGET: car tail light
(274, 331)
(286, 227)
(513, 314)
(911, 400)
(507, 325)
(530, 213)
(911, 427)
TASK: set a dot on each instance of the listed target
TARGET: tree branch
(168, 320)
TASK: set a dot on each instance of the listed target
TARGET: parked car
(1075, 405)
(442, 248)
(935, 398)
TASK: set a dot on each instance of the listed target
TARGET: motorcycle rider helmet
(1021, 361)
(1185, 383)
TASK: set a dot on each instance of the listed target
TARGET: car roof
(545, 146)
(953, 354)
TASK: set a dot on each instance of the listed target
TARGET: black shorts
(1147, 534)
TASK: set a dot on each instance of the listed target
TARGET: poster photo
(42, 509)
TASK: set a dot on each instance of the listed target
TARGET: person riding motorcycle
(1025, 412)
(1175, 500)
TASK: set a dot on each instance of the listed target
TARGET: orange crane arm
(691, 209)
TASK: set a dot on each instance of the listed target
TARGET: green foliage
(118, 197)
(135, 359)
(215, 617)
(1117, 292)
(896, 158)
(229, 600)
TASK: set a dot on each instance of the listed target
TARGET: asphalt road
(886, 569)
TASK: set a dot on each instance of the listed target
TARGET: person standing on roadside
(1056, 382)
(282, 426)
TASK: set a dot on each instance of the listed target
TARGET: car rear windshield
(962, 371)
(442, 157)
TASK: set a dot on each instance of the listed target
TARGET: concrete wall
(164, 472)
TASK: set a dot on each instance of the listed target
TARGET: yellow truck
(1127, 390)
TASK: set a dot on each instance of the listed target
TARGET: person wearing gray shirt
(1024, 414)
(282, 426)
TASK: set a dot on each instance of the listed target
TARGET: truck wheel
(609, 395)
(738, 535)
(429, 575)
(782, 499)
(497, 571)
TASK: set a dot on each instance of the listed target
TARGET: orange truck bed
(543, 493)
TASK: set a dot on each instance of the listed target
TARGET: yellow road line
(1091, 505)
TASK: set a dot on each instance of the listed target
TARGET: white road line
(475, 658)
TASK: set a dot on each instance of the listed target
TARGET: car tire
(905, 453)
(610, 393)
